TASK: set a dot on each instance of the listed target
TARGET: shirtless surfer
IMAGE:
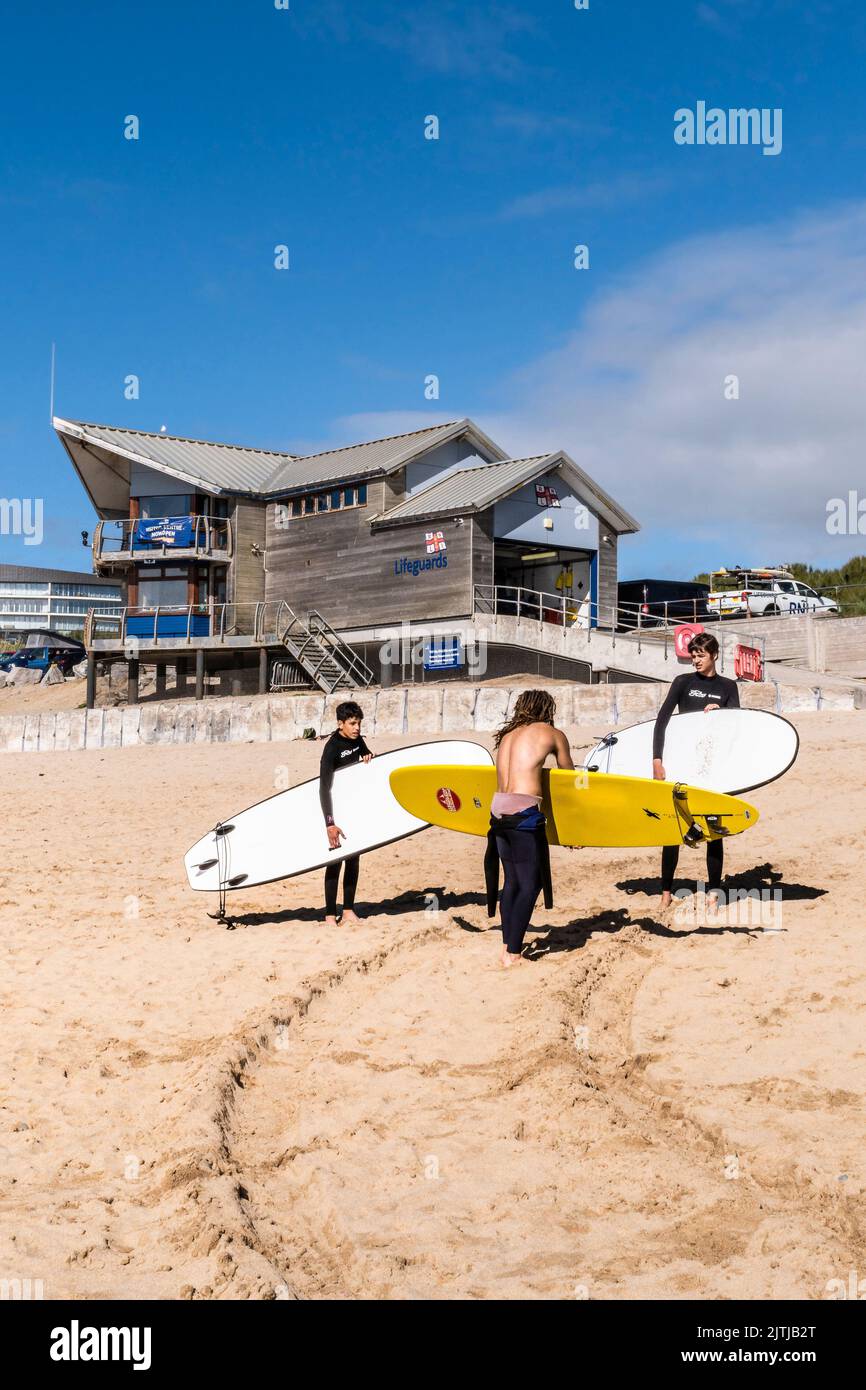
(517, 822)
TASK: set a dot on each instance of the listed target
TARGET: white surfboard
(724, 750)
(286, 835)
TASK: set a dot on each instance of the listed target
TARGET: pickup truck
(789, 596)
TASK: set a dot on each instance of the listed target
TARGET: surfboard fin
(206, 864)
(716, 825)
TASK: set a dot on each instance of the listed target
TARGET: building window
(162, 586)
(162, 593)
(335, 499)
(22, 605)
(84, 591)
(152, 507)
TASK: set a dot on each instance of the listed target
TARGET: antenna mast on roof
(51, 403)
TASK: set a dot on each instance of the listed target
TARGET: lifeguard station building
(293, 570)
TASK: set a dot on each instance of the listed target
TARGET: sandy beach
(657, 1106)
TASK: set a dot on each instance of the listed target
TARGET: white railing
(634, 624)
(253, 620)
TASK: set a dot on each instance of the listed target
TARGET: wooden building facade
(414, 527)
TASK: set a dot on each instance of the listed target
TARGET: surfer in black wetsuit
(700, 689)
(343, 748)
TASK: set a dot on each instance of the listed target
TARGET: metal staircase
(321, 653)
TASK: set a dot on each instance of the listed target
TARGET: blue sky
(409, 257)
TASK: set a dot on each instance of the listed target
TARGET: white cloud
(636, 394)
(625, 188)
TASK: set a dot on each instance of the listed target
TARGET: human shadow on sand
(762, 877)
(429, 900)
(574, 935)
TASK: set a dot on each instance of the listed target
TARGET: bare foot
(349, 916)
(666, 899)
(510, 961)
(330, 921)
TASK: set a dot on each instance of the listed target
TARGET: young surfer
(516, 820)
(343, 748)
(702, 689)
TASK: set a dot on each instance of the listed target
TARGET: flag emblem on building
(546, 496)
(435, 541)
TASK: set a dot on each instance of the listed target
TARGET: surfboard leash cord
(223, 864)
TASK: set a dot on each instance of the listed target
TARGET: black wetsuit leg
(670, 855)
(518, 852)
(350, 880)
(350, 883)
(715, 862)
(332, 879)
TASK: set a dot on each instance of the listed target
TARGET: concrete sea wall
(418, 711)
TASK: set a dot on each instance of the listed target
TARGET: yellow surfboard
(582, 808)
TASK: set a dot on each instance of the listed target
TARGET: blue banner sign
(443, 654)
(165, 530)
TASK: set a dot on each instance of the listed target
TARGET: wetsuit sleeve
(663, 717)
(326, 780)
(364, 749)
(732, 696)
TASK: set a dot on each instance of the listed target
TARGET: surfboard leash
(222, 864)
(693, 834)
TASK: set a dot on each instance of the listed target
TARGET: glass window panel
(335, 499)
(322, 501)
(348, 497)
(297, 506)
(162, 592)
(309, 505)
(362, 495)
(178, 505)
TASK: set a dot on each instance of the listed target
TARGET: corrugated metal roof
(225, 466)
(232, 468)
(355, 460)
(468, 489)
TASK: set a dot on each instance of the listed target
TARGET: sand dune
(654, 1107)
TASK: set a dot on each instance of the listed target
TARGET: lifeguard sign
(683, 636)
(747, 663)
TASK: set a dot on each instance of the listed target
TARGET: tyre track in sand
(429, 1126)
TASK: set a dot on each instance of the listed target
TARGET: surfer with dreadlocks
(517, 836)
